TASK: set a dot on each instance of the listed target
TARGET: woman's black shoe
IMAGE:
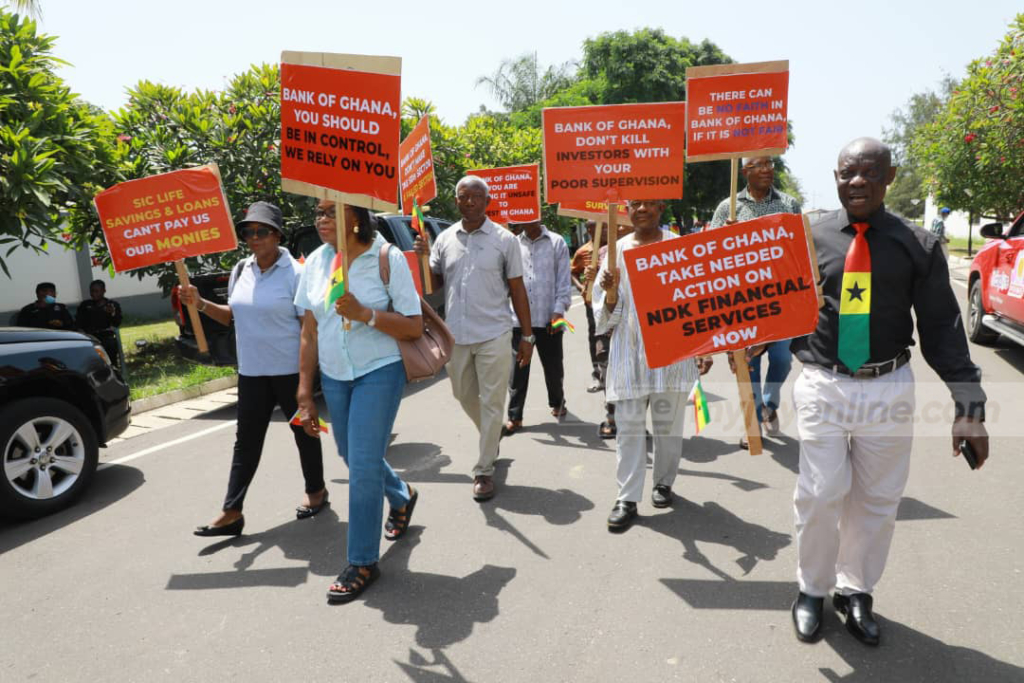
(304, 511)
(233, 529)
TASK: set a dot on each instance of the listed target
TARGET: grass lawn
(156, 368)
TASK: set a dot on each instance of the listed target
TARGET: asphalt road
(528, 587)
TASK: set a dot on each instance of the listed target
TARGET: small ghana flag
(855, 303)
(419, 223)
(561, 323)
(297, 421)
(336, 285)
(700, 407)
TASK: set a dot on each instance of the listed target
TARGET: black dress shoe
(859, 619)
(661, 497)
(622, 515)
(304, 511)
(807, 617)
(233, 529)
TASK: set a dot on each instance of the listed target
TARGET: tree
(972, 154)
(520, 83)
(55, 150)
(29, 7)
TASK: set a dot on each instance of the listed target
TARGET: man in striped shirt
(633, 386)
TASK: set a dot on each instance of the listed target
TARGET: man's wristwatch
(372, 322)
(529, 339)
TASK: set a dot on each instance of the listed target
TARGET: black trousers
(257, 397)
(599, 345)
(549, 348)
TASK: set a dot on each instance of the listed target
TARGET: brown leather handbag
(423, 357)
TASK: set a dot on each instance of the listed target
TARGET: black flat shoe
(304, 511)
(859, 619)
(807, 617)
(661, 497)
(233, 529)
(622, 515)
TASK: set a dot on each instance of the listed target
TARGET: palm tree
(519, 83)
(30, 7)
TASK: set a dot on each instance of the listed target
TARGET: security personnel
(100, 316)
(45, 312)
(855, 395)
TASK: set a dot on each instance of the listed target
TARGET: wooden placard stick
(428, 281)
(595, 261)
(193, 312)
(813, 253)
(339, 223)
(613, 237)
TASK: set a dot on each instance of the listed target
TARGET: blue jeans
(369, 404)
(780, 360)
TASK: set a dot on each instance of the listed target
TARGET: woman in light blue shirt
(362, 376)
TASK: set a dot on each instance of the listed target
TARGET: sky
(851, 64)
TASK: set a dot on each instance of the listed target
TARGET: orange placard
(414, 265)
(724, 289)
(416, 167)
(733, 112)
(166, 217)
(340, 129)
(515, 193)
(594, 211)
(614, 153)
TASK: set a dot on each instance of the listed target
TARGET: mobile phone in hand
(967, 450)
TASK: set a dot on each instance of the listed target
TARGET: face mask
(49, 300)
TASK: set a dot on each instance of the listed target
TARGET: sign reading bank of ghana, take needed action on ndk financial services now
(165, 218)
(614, 153)
(725, 289)
(515, 192)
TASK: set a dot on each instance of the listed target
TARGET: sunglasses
(260, 232)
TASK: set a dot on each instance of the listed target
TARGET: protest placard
(594, 211)
(723, 290)
(340, 124)
(614, 153)
(515, 195)
(416, 167)
(736, 110)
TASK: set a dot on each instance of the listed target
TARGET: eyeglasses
(331, 213)
(260, 232)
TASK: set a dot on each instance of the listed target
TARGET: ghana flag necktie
(855, 303)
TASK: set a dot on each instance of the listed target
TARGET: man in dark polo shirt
(855, 395)
(45, 312)
(100, 317)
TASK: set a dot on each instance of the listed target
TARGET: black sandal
(398, 522)
(607, 430)
(350, 583)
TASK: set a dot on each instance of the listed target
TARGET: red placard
(732, 112)
(515, 195)
(416, 167)
(166, 217)
(594, 211)
(340, 129)
(614, 152)
(724, 289)
(414, 265)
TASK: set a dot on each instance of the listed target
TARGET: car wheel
(976, 331)
(49, 456)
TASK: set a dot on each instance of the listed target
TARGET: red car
(996, 285)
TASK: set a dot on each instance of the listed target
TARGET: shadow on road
(417, 669)
(570, 433)
(419, 463)
(700, 449)
(108, 486)
(739, 482)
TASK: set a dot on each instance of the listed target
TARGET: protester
(480, 267)
(855, 395)
(546, 278)
(45, 312)
(761, 198)
(633, 386)
(939, 230)
(260, 293)
(100, 317)
(362, 376)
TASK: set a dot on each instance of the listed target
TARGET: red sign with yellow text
(166, 217)
(723, 289)
(614, 152)
(416, 167)
(515, 193)
(340, 129)
(736, 114)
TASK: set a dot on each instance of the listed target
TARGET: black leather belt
(871, 370)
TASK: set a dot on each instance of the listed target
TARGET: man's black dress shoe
(622, 515)
(661, 497)
(859, 619)
(807, 617)
(233, 529)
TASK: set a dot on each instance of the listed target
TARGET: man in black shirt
(45, 312)
(855, 418)
(99, 316)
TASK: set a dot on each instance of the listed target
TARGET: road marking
(167, 444)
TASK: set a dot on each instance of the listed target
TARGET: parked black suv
(60, 400)
(395, 228)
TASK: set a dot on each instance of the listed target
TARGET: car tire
(39, 482)
(976, 331)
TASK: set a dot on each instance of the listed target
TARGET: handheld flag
(336, 285)
(700, 407)
(419, 223)
(297, 421)
(561, 323)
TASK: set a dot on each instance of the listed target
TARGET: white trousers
(668, 412)
(855, 440)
